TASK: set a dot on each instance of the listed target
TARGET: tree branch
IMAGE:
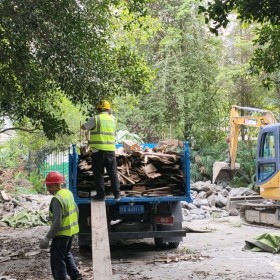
(19, 128)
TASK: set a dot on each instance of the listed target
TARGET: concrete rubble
(210, 200)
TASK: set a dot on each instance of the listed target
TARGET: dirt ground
(214, 254)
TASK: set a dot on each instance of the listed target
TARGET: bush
(37, 181)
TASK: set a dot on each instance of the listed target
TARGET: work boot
(117, 197)
(98, 197)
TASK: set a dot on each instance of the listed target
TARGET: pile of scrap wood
(142, 171)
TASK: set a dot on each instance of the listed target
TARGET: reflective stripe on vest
(69, 225)
(102, 137)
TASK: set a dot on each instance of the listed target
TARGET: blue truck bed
(159, 217)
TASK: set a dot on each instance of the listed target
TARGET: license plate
(131, 209)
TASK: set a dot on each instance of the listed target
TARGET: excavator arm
(254, 117)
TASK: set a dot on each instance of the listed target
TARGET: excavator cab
(268, 162)
(267, 211)
(224, 171)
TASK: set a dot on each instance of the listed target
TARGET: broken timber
(149, 169)
(101, 258)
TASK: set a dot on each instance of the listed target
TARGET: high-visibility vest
(69, 225)
(102, 137)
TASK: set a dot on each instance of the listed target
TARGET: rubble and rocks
(24, 210)
(211, 200)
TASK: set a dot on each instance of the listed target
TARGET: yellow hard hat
(104, 104)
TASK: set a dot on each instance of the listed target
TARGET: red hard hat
(54, 178)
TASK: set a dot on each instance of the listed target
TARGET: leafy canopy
(65, 46)
(185, 57)
(219, 11)
(266, 14)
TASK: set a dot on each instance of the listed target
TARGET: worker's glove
(44, 243)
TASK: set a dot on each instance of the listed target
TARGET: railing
(56, 161)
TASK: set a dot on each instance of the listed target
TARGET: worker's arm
(56, 223)
(57, 218)
(90, 124)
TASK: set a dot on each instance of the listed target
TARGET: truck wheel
(159, 243)
(173, 245)
(166, 245)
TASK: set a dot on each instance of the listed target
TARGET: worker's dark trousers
(62, 261)
(105, 159)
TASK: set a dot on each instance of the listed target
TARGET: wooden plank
(126, 178)
(101, 258)
(129, 145)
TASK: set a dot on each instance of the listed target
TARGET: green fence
(56, 161)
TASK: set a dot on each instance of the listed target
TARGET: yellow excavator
(266, 212)
(224, 171)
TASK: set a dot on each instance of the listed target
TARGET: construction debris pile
(142, 172)
(210, 201)
(24, 211)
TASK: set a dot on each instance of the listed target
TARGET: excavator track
(260, 214)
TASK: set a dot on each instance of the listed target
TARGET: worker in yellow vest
(102, 129)
(63, 213)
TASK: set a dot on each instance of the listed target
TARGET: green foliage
(31, 149)
(246, 156)
(218, 12)
(202, 161)
(195, 173)
(18, 191)
(65, 47)
(10, 154)
(37, 181)
(267, 58)
(57, 59)
(185, 57)
(19, 175)
(13, 159)
(267, 15)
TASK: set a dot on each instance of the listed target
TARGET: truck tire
(173, 245)
(159, 243)
(165, 245)
(171, 242)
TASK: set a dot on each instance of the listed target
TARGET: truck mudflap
(261, 214)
